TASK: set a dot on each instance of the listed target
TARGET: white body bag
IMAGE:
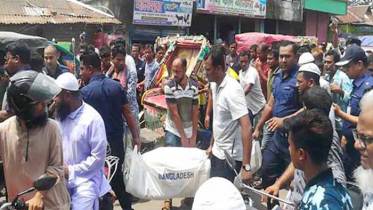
(166, 172)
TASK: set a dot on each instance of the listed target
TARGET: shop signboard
(246, 8)
(163, 12)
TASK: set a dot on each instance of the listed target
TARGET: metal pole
(231, 164)
(73, 49)
(239, 24)
(215, 28)
(277, 27)
(261, 25)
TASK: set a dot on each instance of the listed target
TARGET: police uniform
(286, 102)
(351, 155)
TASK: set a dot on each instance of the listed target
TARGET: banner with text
(165, 13)
(247, 8)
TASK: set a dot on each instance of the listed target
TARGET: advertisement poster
(163, 13)
(247, 8)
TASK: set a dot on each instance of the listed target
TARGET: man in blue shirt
(18, 56)
(355, 65)
(151, 66)
(283, 102)
(52, 67)
(340, 85)
(140, 64)
(310, 139)
(110, 99)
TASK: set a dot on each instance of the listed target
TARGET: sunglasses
(363, 140)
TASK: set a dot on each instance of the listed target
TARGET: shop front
(221, 20)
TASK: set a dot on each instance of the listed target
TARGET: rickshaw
(193, 48)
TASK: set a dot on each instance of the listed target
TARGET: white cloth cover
(166, 172)
(218, 193)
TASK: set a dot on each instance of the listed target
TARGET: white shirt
(130, 63)
(326, 85)
(255, 100)
(84, 150)
(229, 106)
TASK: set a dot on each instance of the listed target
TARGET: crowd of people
(301, 102)
(307, 122)
(309, 108)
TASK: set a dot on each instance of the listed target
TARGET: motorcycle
(43, 183)
(232, 164)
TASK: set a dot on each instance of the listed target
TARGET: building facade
(221, 20)
(318, 13)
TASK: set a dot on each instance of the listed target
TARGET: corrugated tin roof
(359, 15)
(51, 11)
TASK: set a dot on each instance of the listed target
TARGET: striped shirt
(185, 99)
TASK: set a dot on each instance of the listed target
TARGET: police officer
(355, 65)
(283, 102)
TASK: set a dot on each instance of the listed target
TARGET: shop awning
(337, 7)
(52, 12)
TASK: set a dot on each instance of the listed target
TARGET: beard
(62, 111)
(363, 179)
(298, 95)
(31, 121)
(37, 122)
(40, 121)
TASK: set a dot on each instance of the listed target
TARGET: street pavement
(154, 205)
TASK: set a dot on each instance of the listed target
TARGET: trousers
(117, 183)
(83, 199)
(220, 168)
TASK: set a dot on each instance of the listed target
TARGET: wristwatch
(246, 167)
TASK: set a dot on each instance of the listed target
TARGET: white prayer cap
(218, 193)
(68, 81)
(305, 58)
(310, 67)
